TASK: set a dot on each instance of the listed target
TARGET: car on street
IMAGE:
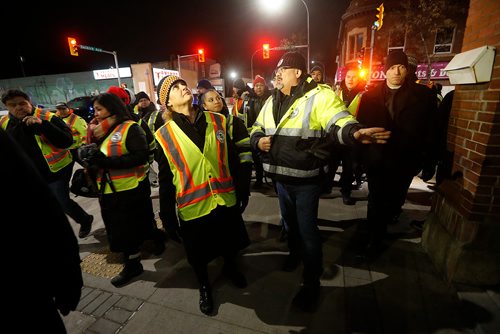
(82, 106)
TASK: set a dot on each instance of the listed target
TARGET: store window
(444, 40)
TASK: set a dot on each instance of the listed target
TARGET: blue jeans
(299, 208)
(60, 188)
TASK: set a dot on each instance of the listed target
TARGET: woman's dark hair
(114, 105)
(202, 97)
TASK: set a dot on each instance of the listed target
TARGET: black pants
(387, 193)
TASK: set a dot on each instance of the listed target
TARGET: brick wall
(474, 130)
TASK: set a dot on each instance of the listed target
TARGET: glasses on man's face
(282, 69)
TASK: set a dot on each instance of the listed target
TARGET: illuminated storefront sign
(437, 72)
(111, 73)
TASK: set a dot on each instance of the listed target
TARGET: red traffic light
(73, 46)
(201, 55)
(265, 51)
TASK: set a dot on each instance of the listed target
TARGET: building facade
(432, 33)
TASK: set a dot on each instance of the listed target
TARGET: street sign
(91, 48)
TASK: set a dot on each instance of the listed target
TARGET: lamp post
(308, 42)
(274, 5)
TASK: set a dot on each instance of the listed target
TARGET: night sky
(152, 31)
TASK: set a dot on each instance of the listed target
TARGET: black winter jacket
(412, 141)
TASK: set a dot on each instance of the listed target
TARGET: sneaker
(85, 228)
(307, 298)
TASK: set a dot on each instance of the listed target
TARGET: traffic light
(265, 51)
(73, 46)
(201, 55)
(380, 16)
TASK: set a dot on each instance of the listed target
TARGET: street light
(273, 5)
(308, 43)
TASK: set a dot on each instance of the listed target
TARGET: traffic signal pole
(372, 42)
(115, 55)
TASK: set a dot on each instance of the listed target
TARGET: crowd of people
(202, 154)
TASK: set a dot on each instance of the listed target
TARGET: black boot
(206, 300)
(132, 268)
(86, 227)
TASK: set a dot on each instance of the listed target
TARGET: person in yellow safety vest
(351, 89)
(240, 156)
(153, 118)
(294, 132)
(77, 125)
(196, 186)
(46, 139)
(157, 235)
(119, 166)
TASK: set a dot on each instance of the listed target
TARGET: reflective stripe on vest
(310, 116)
(115, 146)
(202, 179)
(78, 129)
(152, 119)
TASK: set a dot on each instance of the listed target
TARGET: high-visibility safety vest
(57, 158)
(78, 128)
(152, 119)
(306, 121)
(243, 145)
(202, 179)
(354, 105)
(114, 146)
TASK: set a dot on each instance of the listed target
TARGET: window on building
(396, 41)
(355, 42)
(444, 40)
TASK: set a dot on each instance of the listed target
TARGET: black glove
(87, 151)
(97, 159)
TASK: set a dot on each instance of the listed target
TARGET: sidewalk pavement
(398, 292)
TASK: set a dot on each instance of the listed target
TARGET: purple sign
(437, 72)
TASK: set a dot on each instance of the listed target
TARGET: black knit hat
(164, 87)
(293, 59)
(141, 95)
(316, 68)
(396, 57)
